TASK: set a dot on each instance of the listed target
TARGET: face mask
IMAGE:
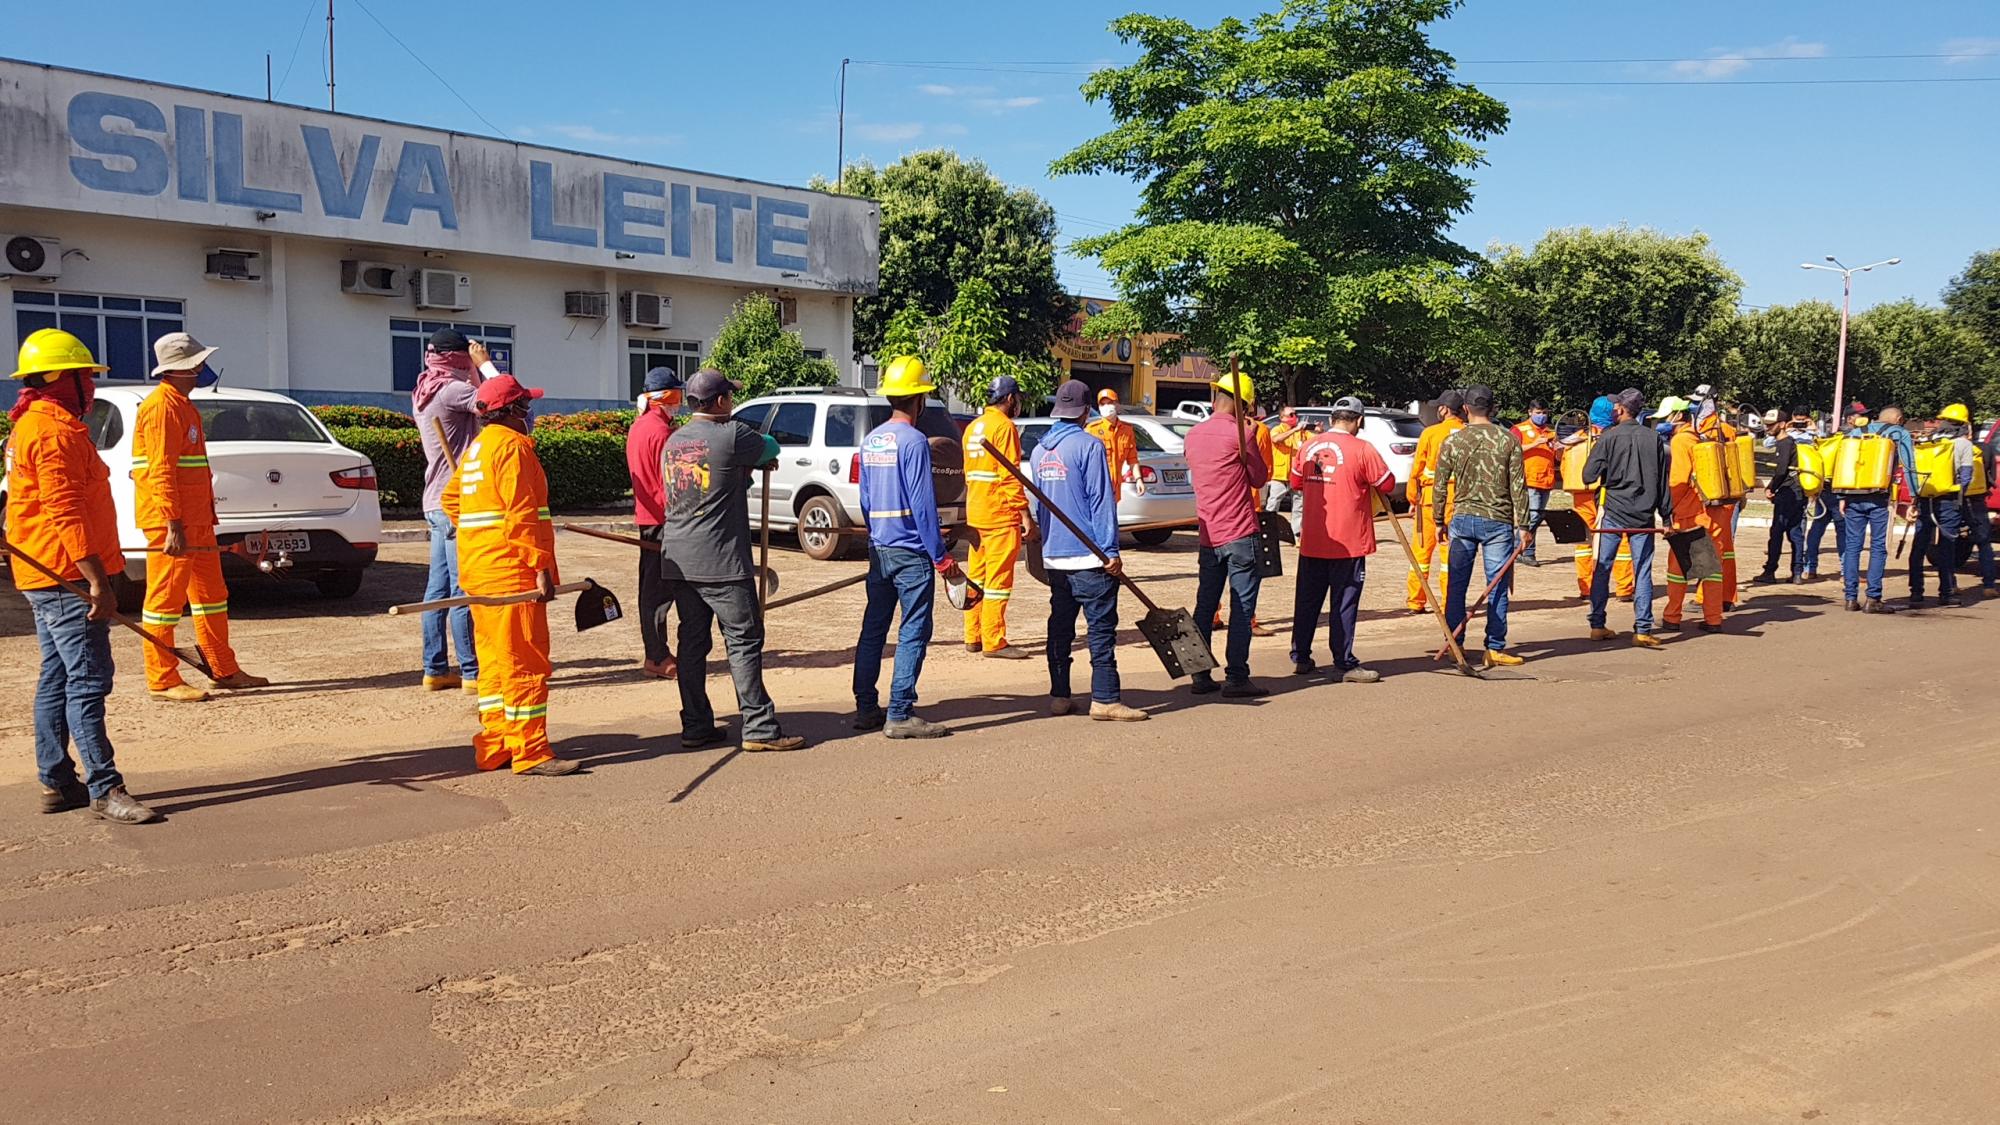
(1108, 410)
(1539, 419)
(207, 377)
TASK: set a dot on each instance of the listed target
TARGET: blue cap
(662, 379)
(1600, 413)
(1002, 386)
(1072, 400)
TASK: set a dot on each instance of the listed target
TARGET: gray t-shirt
(453, 406)
(705, 471)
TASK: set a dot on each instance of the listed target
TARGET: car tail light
(854, 469)
(1147, 475)
(1403, 448)
(362, 477)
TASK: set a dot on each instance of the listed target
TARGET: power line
(433, 73)
(311, 7)
(1086, 66)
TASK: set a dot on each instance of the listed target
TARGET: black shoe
(1853, 606)
(1768, 578)
(913, 727)
(871, 719)
(1952, 601)
(712, 737)
(71, 795)
(1708, 628)
(1244, 690)
(1528, 560)
(1916, 601)
(1668, 627)
(1729, 607)
(1204, 687)
(1877, 605)
(1304, 667)
(118, 805)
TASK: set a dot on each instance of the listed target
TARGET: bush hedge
(370, 416)
(584, 468)
(398, 454)
(617, 422)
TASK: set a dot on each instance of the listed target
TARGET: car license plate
(1175, 476)
(296, 542)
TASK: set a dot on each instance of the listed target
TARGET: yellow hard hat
(1956, 412)
(905, 376)
(1238, 386)
(52, 349)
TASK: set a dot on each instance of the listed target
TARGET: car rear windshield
(1146, 441)
(227, 420)
(1405, 425)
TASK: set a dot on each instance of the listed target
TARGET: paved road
(1747, 878)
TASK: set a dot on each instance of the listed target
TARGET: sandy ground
(1745, 878)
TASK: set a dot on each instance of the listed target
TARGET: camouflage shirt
(1479, 469)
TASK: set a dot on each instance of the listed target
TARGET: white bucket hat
(178, 351)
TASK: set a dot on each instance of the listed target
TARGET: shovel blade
(1696, 554)
(1176, 642)
(1271, 530)
(1568, 527)
(595, 606)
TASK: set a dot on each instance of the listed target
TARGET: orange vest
(1121, 448)
(993, 497)
(1687, 502)
(170, 462)
(499, 498)
(1424, 463)
(58, 497)
(1538, 454)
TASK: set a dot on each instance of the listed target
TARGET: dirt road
(1752, 877)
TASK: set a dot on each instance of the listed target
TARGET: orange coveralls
(1121, 449)
(995, 505)
(1585, 504)
(499, 498)
(1690, 511)
(58, 497)
(1421, 493)
(1725, 541)
(170, 469)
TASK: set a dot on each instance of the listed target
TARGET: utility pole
(329, 56)
(267, 76)
(840, 130)
(1846, 298)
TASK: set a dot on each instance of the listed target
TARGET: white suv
(818, 480)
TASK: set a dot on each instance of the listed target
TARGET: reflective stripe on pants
(991, 564)
(1433, 554)
(513, 646)
(191, 584)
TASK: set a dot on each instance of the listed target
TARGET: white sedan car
(1169, 495)
(285, 490)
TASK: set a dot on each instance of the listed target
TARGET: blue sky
(1699, 138)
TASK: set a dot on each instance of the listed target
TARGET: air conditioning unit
(443, 289)
(373, 279)
(225, 264)
(33, 256)
(585, 304)
(646, 310)
(788, 310)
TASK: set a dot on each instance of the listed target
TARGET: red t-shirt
(643, 445)
(1334, 472)
(1225, 487)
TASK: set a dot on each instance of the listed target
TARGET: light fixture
(263, 216)
(624, 255)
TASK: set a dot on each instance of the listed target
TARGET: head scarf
(441, 368)
(1600, 413)
(67, 390)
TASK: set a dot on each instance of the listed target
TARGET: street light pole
(1846, 300)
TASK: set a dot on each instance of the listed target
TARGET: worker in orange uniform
(1121, 445)
(498, 498)
(1584, 502)
(1538, 460)
(1423, 475)
(60, 515)
(176, 509)
(1710, 426)
(1690, 510)
(996, 507)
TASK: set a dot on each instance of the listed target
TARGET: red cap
(502, 392)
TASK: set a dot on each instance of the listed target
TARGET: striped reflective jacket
(499, 498)
(170, 462)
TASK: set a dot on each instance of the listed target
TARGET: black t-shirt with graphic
(705, 471)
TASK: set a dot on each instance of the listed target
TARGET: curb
(423, 534)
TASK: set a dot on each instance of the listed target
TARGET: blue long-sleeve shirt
(897, 495)
(1071, 467)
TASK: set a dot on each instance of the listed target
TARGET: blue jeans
(1935, 542)
(69, 700)
(1096, 594)
(1494, 540)
(897, 576)
(1978, 522)
(1319, 579)
(1788, 513)
(1864, 515)
(1642, 581)
(1538, 506)
(1828, 507)
(1233, 564)
(444, 584)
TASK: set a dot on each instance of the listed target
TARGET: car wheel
(131, 595)
(821, 512)
(1153, 536)
(338, 583)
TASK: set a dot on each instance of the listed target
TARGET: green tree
(1929, 358)
(965, 348)
(1784, 357)
(945, 221)
(1592, 311)
(1298, 175)
(754, 349)
(1973, 297)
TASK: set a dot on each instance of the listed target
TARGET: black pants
(1788, 514)
(1319, 578)
(654, 601)
(733, 606)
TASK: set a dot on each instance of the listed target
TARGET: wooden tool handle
(118, 618)
(486, 600)
(1082, 537)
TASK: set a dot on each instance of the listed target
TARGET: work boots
(72, 795)
(1116, 713)
(181, 693)
(119, 806)
(914, 727)
(1877, 605)
(239, 680)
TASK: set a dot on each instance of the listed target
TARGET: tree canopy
(1973, 297)
(964, 348)
(1299, 173)
(947, 220)
(1928, 359)
(753, 348)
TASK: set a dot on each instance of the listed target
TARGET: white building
(318, 250)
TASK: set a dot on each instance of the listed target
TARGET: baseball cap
(1855, 408)
(1671, 405)
(1479, 398)
(448, 340)
(1003, 385)
(1633, 400)
(1451, 400)
(1348, 405)
(502, 392)
(662, 379)
(1107, 395)
(708, 383)
(1072, 400)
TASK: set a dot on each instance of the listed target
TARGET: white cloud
(1005, 103)
(937, 91)
(1721, 64)
(950, 129)
(888, 132)
(1970, 50)
(592, 135)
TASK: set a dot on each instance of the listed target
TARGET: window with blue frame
(408, 337)
(119, 331)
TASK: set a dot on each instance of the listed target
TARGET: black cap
(1634, 401)
(1452, 401)
(1479, 398)
(1072, 400)
(708, 384)
(448, 340)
